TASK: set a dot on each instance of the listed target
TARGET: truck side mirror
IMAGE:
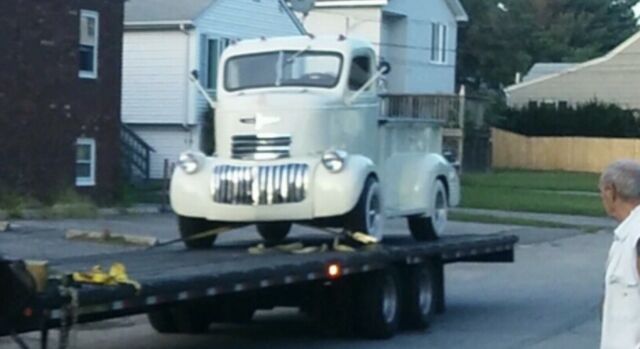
(194, 74)
(384, 68)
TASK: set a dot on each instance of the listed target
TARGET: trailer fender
(336, 194)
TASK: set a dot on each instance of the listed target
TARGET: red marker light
(334, 271)
(28, 312)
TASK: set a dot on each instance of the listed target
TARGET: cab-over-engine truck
(299, 138)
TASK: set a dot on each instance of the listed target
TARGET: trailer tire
(419, 296)
(191, 226)
(162, 321)
(191, 318)
(429, 228)
(378, 307)
(274, 233)
(367, 217)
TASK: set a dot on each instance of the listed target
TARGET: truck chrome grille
(260, 147)
(260, 185)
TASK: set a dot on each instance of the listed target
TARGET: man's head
(620, 188)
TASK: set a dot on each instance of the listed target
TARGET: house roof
(454, 5)
(168, 13)
(617, 50)
(145, 11)
(543, 69)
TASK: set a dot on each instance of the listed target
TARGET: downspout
(185, 121)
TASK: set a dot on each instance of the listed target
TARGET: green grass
(534, 180)
(533, 191)
(481, 218)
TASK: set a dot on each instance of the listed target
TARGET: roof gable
(617, 50)
(145, 11)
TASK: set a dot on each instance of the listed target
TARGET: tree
(501, 40)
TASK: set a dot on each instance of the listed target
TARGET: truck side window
(360, 72)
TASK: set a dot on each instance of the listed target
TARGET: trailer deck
(178, 275)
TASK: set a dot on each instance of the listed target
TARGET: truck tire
(161, 320)
(378, 307)
(274, 233)
(191, 226)
(429, 228)
(366, 217)
(419, 296)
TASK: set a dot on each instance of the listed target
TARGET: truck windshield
(283, 68)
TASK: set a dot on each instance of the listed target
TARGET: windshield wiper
(296, 55)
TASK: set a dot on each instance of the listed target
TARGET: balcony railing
(447, 109)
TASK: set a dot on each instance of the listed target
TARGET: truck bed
(169, 275)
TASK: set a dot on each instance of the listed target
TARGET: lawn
(533, 191)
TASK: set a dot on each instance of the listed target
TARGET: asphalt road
(549, 298)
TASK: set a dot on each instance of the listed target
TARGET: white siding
(402, 33)
(168, 142)
(239, 19)
(413, 71)
(154, 77)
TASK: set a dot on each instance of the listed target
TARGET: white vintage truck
(299, 139)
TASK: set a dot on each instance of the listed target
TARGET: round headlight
(334, 160)
(188, 163)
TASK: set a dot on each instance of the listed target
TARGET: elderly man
(620, 192)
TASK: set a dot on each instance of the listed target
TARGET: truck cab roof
(340, 44)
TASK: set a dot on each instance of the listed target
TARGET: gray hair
(624, 175)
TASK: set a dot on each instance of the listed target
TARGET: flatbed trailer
(374, 290)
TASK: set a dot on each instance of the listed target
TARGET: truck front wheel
(366, 217)
(274, 233)
(429, 228)
(189, 227)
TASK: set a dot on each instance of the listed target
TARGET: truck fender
(436, 167)
(337, 193)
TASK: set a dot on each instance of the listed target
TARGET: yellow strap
(117, 275)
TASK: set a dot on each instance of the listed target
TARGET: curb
(108, 237)
(38, 214)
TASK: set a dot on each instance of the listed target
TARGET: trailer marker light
(334, 271)
(28, 312)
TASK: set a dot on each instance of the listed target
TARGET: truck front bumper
(297, 189)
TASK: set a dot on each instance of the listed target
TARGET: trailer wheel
(378, 308)
(419, 296)
(366, 217)
(191, 318)
(191, 226)
(274, 233)
(162, 321)
(429, 228)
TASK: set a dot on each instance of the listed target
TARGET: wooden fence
(581, 154)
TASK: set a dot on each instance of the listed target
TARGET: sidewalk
(583, 221)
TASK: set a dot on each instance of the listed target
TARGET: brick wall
(45, 106)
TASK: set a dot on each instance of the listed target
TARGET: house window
(360, 72)
(213, 50)
(85, 162)
(438, 43)
(88, 49)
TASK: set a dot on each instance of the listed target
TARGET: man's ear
(613, 192)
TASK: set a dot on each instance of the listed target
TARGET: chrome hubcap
(440, 215)
(374, 213)
(425, 295)
(390, 301)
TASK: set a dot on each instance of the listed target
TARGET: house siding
(45, 107)
(168, 142)
(401, 33)
(155, 76)
(616, 80)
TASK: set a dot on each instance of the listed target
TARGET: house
(612, 78)
(164, 41)
(417, 37)
(60, 96)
